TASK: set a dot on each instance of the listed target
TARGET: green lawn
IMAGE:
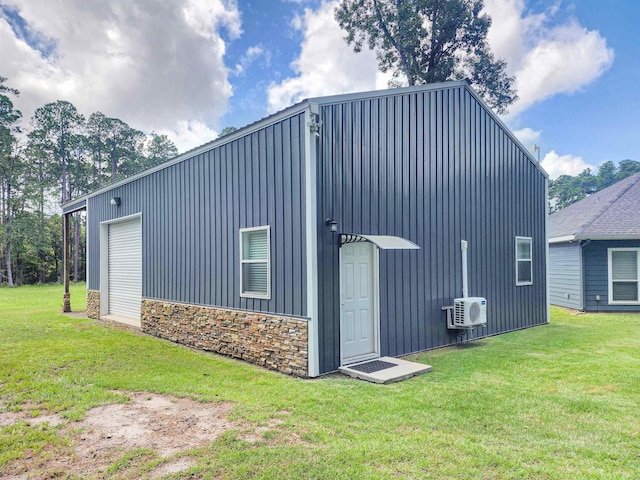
(560, 401)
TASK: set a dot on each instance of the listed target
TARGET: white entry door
(358, 316)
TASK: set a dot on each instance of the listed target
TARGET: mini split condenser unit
(469, 312)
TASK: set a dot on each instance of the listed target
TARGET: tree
(428, 41)
(124, 146)
(227, 130)
(158, 149)
(626, 168)
(96, 133)
(58, 130)
(606, 175)
(57, 125)
(38, 187)
(566, 189)
(62, 154)
(31, 243)
(11, 167)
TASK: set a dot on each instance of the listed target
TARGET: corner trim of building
(311, 213)
(546, 249)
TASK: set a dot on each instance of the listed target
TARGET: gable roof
(612, 213)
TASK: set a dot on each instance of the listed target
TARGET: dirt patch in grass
(172, 467)
(117, 438)
(164, 424)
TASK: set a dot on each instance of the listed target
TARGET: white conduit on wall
(465, 286)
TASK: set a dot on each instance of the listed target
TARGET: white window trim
(243, 294)
(530, 260)
(610, 275)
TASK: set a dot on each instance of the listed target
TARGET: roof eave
(573, 238)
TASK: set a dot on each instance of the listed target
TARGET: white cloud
(326, 64)
(251, 55)
(189, 134)
(152, 64)
(556, 165)
(545, 60)
(528, 136)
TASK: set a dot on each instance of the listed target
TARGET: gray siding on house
(596, 267)
(192, 212)
(433, 167)
(565, 275)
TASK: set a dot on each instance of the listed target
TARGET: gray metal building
(594, 251)
(328, 233)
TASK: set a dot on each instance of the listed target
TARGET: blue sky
(601, 120)
(188, 68)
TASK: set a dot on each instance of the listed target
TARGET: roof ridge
(611, 202)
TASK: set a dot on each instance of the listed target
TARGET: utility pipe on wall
(465, 286)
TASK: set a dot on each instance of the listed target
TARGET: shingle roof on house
(610, 213)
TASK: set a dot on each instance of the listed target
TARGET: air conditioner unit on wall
(469, 312)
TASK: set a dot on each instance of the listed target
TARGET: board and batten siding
(192, 212)
(433, 167)
(565, 275)
(596, 268)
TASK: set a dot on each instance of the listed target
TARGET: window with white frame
(624, 276)
(255, 263)
(524, 263)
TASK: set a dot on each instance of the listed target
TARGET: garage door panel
(125, 268)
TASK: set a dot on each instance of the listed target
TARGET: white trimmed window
(624, 275)
(255, 262)
(524, 262)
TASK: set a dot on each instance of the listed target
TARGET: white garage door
(125, 269)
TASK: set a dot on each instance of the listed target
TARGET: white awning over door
(383, 242)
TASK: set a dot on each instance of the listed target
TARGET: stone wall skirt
(275, 342)
(93, 304)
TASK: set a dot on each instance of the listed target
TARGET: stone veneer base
(272, 341)
(93, 304)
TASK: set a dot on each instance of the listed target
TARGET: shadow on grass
(468, 344)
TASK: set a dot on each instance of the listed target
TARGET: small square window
(255, 265)
(524, 261)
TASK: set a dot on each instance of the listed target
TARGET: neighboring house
(594, 249)
(328, 233)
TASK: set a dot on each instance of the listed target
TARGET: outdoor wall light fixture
(332, 224)
(115, 201)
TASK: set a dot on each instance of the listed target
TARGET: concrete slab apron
(401, 370)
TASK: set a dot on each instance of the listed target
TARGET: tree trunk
(43, 267)
(7, 221)
(113, 162)
(41, 254)
(9, 272)
(64, 173)
(99, 164)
